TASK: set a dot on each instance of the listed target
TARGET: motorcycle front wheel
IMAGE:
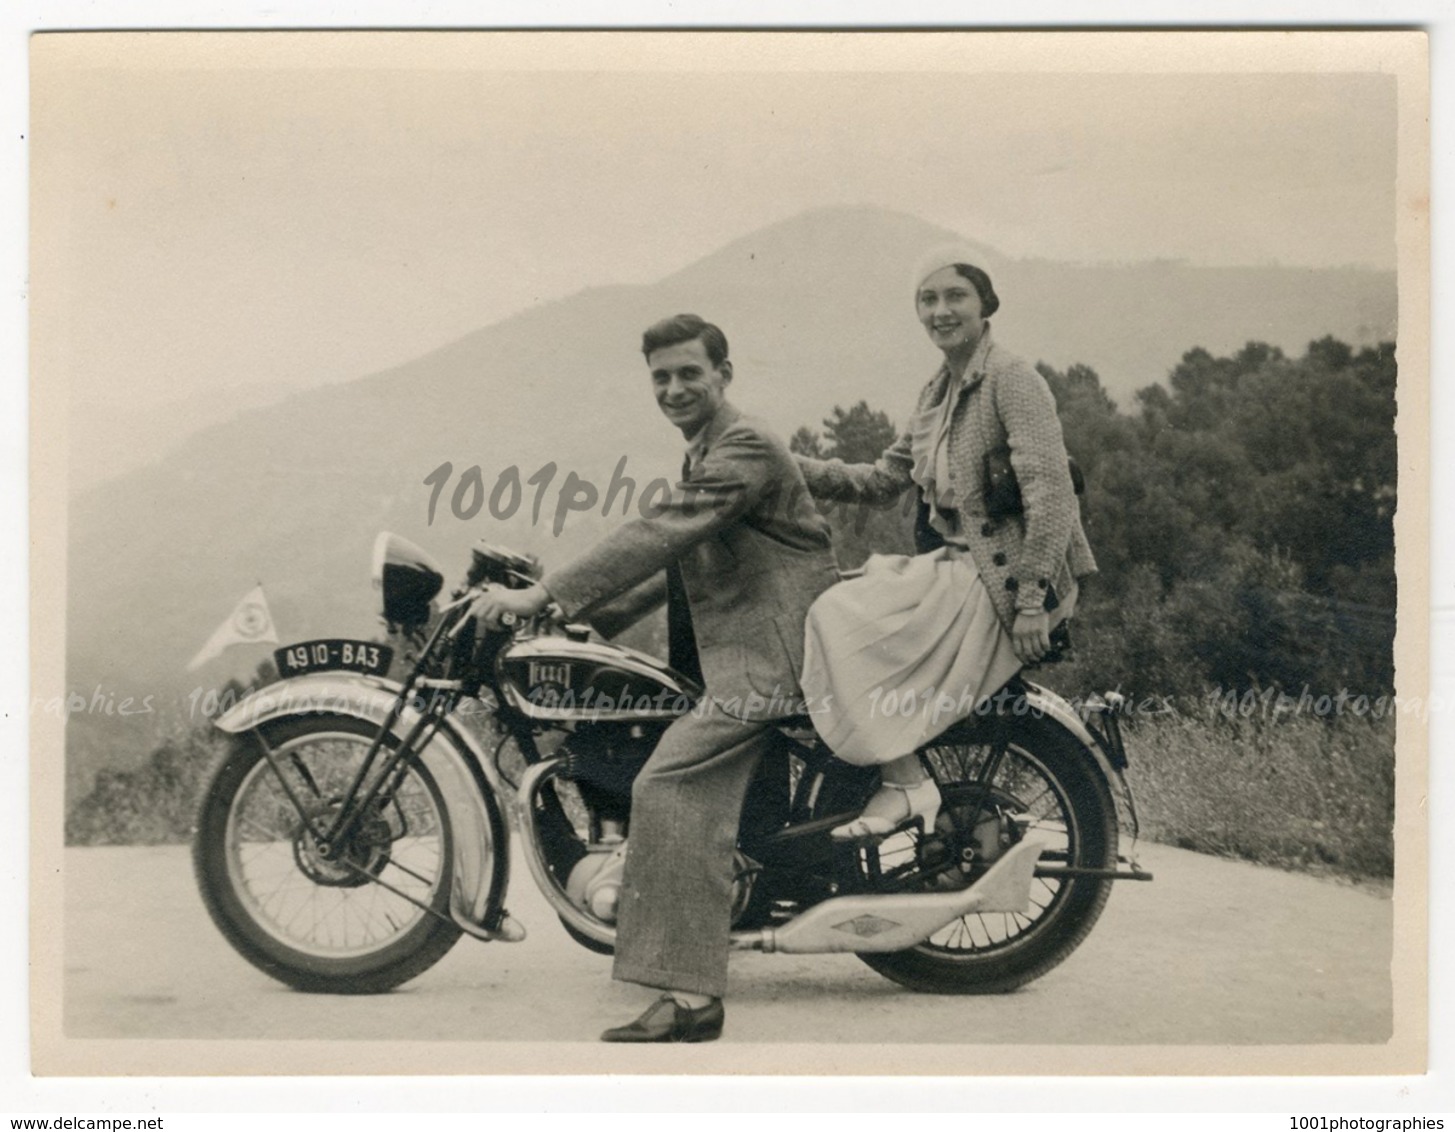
(362, 920)
(1046, 783)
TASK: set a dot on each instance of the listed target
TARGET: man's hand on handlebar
(496, 606)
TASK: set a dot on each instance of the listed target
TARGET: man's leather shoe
(667, 1020)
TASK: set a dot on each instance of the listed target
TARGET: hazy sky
(221, 225)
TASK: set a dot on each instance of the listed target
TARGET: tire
(586, 941)
(259, 877)
(975, 955)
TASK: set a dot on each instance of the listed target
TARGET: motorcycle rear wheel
(318, 925)
(1046, 773)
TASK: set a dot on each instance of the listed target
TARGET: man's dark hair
(686, 328)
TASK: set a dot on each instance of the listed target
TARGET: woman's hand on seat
(1031, 636)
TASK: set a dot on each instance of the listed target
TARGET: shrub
(154, 804)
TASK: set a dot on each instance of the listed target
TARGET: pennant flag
(251, 623)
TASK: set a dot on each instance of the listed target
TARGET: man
(739, 553)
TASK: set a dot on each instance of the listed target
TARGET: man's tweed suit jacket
(753, 553)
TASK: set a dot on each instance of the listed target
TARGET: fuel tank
(557, 678)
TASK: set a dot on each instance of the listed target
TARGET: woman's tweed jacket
(1026, 559)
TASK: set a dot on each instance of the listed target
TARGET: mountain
(818, 312)
(120, 433)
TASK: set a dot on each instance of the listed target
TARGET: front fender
(460, 765)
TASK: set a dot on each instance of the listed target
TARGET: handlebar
(551, 615)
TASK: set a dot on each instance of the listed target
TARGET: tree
(858, 435)
(806, 442)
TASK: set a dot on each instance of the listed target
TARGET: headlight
(408, 578)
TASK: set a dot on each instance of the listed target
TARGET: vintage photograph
(860, 553)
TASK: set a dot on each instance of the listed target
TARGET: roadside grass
(1292, 791)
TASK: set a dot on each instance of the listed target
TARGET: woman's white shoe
(891, 806)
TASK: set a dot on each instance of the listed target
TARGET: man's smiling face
(688, 387)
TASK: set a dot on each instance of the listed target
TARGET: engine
(595, 882)
(602, 760)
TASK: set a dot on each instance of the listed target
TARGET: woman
(895, 656)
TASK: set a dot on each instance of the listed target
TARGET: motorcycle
(356, 826)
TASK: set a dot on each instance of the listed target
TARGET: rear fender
(1043, 701)
(460, 765)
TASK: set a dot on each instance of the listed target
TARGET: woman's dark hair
(686, 328)
(989, 300)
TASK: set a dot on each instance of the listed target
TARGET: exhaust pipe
(892, 922)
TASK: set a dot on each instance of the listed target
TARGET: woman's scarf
(930, 444)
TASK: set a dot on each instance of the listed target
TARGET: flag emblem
(250, 622)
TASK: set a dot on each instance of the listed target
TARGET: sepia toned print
(361, 502)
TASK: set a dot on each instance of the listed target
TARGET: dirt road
(1212, 952)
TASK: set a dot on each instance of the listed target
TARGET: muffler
(894, 921)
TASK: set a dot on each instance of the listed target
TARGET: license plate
(333, 653)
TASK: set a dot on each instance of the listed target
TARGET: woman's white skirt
(895, 656)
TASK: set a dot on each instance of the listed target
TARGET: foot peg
(874, 840)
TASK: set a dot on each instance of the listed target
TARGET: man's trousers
(675, 912)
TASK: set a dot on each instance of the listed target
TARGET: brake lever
(468, 595)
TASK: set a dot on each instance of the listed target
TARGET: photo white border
(1432, 1093)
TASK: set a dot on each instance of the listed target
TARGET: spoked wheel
(359, 917)
(1046, 786)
